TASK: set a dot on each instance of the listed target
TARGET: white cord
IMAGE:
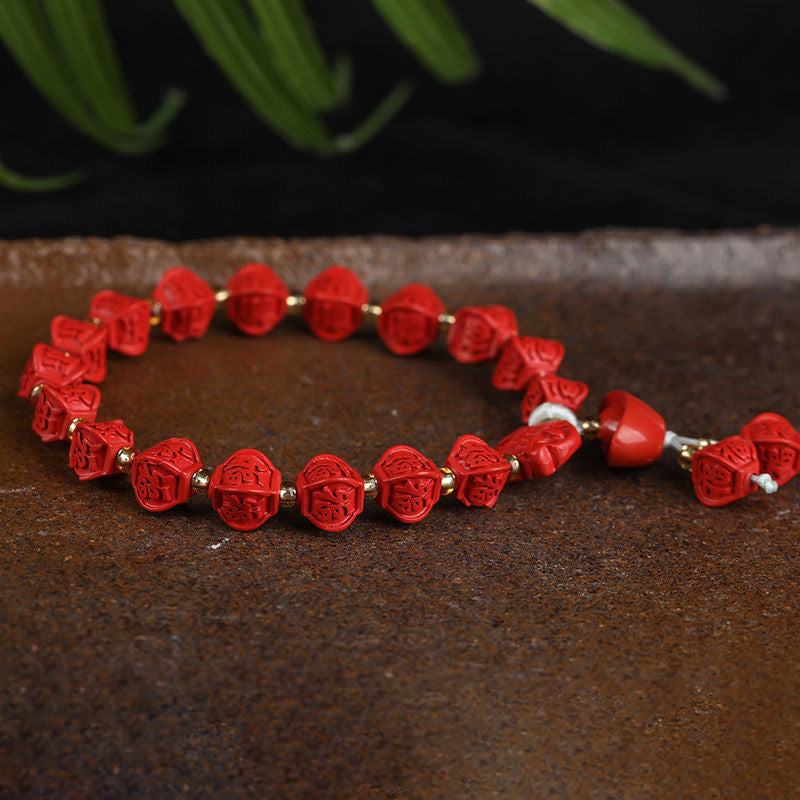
(548, 412)
(676, 441)
(766, 482)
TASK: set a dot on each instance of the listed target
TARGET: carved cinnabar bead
(409, 319)
(334, 301)
(85, 340)
(94, 447)
(258, 299)
(52, 367)
(127, 320)
(721, 472)
(541, 449)
(245, 490)
(777, 444)
(552, 389)
(479, 332)
(187, 304)
(161, 476)
(480, 471)
(330, 492)
(631, 432)
(409, 484)
(525, 356)
(57, 406)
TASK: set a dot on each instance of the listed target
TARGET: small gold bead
(74, 424)
(446, 321)
(221, 296)
(36, 391)
(370, 485)
(95, 320)
(288, 494)
(124, 459)
(155, 312)
(371, 312)
(590, 427)
(514, 462)
(448, 481)
(295, 303)
(200, 481)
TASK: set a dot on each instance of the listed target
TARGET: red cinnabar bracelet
(247, 489)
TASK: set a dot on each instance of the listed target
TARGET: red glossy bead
(52, 367)
(187, 304)
(94, 447)
(85, 340)
(245, 490)
(409, 484)
(525, 356)
(541, 449)
(334, 301)
(480, 471)
(553, 389)
(777, 444)
(330, 492)
(57, 406)
(258, 299)
(409, 319)
(479, 332)
(631, 432)
(127, 320)
(721, 472)
(161, 476)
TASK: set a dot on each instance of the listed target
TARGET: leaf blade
(12, 179)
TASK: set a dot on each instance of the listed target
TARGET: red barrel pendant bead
(258, 299)
(525, 356)
(479, 332)
(722, 472)
(334, 303)
(409, 319)
(409, 484)
(245, 490)
(480, 471)
(631, 432)
(85, 340)
(57, 406)
(541, 449)
(187, 304)
(553, 389)
(777, 444)
(51, 367)
(94, 447)
(127, 320)
(161, 476)
(330, 492)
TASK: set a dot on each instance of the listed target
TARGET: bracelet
(247, 489)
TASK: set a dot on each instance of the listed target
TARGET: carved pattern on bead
(479, 332)
(480, 472)
(541, 449)
(127, 320)
(57, 406)
(409, 319)
(525, 356)
(409, 484)
(330, 492)
(777, 444)
(50, 366)
(553, 389)
(245, 490)
(721, 472)
(334, 300)
(94, 447)
(85, 340)
(161, 476)
(258, 299)
(187, 304)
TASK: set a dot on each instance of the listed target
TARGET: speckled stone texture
(598, 634)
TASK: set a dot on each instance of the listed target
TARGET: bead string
(247, 489)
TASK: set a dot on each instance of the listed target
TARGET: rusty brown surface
(599, 634)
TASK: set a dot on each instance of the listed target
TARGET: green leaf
(23, 183)
(613, 26)
(391, 104)
(430, 29)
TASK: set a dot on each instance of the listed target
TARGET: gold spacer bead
(370, 485)
(590, 427)
(446, 321)
(222, 295)
(74, 424)
(200, 481)
(124, 459)
(687, 452)
(288, 494)
(514, 463)
(448, 481)
(36, 391)
(95, 320)
(295, 303)
(155, 312)
(371, 312)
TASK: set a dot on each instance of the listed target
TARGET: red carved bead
(52, 367)
(330, 492)
(721, 472)
(85, 340)
(479, 332)
(409, 319)
(541, 449)
(777, 444)
(187, 304)
(631, 432)
(127, 320)
(480, 471)
(525, 356)
(245, 490)
(258, 299)
(334, 300)
(94, 447)
(57, 406)
(553, 389)
(161, 476)
(409, 484)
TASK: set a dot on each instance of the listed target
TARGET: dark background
(555, 134)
